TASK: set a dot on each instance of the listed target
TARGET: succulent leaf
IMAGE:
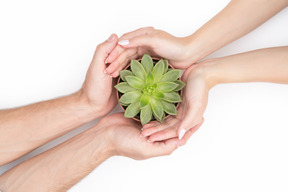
(165, 65)
(166, 86)
(158, 95)
(146, 114)
(135, 82)
(156, 108)
(138, 69)
(145, 99)
(181, 84)
(158, 70)
(124, 87)
(124, 73)
(147, 63)
(132, 110)
(172, 97)
(169, 108)
(149, 79)
(150, 89)
(171, 75)
(131, 97)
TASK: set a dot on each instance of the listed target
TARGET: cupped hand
(154, 42)
(124, 138)
(98, 87)
(190, 112)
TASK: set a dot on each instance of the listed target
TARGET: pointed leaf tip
(172, 97)
(132, 110)
(135, 82)
(171, 75)
(124, 87)
(130, 97)
(138, 70)
(158, 71)
(124, 73)
(166, 86)
(146, 114)
(147, 63)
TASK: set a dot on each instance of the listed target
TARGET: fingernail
(149, 141)
(106, 61)
(111, 38)
(141, 135)
(110, 76)
(182, 133)
(124, 42)
(105, 72)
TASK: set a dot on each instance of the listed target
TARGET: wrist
(194, 49)
(92, 111)
(207, 71)
(103, 133)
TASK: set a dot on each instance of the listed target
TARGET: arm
(264, 65)
(61, 167)
(25, 128)
(238, 18)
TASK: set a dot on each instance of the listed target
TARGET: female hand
(152, 41)
(190, 112)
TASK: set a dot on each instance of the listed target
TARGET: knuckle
(100, 47)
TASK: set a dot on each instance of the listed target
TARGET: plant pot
(119, 94)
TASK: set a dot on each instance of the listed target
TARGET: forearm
(238, 18)
(264, 65)
(25, 128)
(61, 167)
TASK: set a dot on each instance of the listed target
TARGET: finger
(164, 147)
(155, 123)
(121, 62)
(139, 41)
(137, 32)
(163, 135)
(151, 124)
(191, 118)
(189, 133)
(115, 53)
(160, 127)
(104, 49)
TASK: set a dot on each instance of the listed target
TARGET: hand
(190, 112)
(154, 42)
(98, 88)
(124, 139)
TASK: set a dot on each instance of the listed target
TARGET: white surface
(45, 50)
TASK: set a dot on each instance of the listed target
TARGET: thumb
(138, 41)
(191, 119)
(105, 48)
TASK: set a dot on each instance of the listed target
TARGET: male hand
(123, 137)
(98, 88)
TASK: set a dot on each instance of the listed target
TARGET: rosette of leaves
(150, 89)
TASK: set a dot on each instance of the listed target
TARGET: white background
(45, 50)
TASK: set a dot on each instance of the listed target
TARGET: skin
(58, 169)
(33, 125)
(234, 21)
(237, 19)
(61, 167)
(239, 68)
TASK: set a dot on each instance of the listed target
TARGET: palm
(190, 112)
(125, 138)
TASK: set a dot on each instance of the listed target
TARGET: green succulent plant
(148, 89)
